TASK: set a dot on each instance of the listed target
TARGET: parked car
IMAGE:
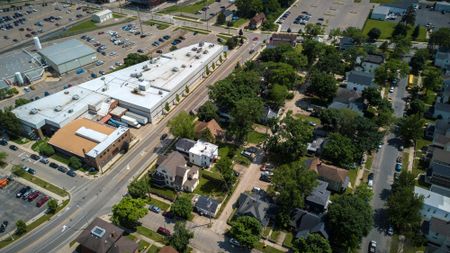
(35, 157)
(234, 242)
(53, 165)
(29, 170)
(154, 208)
(164, 231)
(3, 142)
(372, 246)
(44, 160)
(13, 147)
(22, 191)
(398, 167)
(370, 180)
(62, 169)
(71, 173)
(26, 194)
(164, 136)
(33, 196)
(390, 231)
(42, 201)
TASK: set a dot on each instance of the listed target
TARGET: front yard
(211, 184)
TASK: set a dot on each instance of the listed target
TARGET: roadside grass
(387, 28)
(195, 30)
(308, 118)
(429, 97)
(186, 18)
(256, 137)
(407, 246)
(118, 15)
(60, 158)
(33, 225)
(369, 162)
(163, 205)
(266, 231)
(191, 8)
(159, 25)
(37, 145)
(21, 140)
(241, 21)
(150, 234)
(405, 159)
(266, 249)
(288, 240)
(352, 173)
(48, 186)
(88, 26)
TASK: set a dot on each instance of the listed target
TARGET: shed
(102, 16)
(206, 206)
(380, 12)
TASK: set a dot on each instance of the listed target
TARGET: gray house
(253, 205)
(183, 145)
(437, 232)
(305, 223)
(319, 198)
(380, 12)
(358, 80)
(206, 206)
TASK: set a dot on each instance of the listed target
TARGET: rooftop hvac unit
(34, 111)
(201, 43)
(141, 79)
(197, 57)
(66, 92)
(194, 49)
(205, 52)
(70, 111)
(199, 50)
(211, 45)
(133, 75)
(175, 69)
(75, 97)
(145, 67)
(183, 66)
(58, 108)
(160, 92)
(188, 54)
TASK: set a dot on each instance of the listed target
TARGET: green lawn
(369, 162)
(150, 234)
(194, 30)
(256, 137)
(268, 249)
(53, 188)
(143, 245)
(84, 26)
(241, 21)
(166, 193)
(308, 118)
(163, 205)
(275, 234)
(387, 28)
(159, 25)
(153, 249)
(407, 247)
(288, 240)
(191, 8)
(37, 145)
(352, 175)
(211, 184)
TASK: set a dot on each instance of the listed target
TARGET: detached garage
(380, 13)
(68, 55)
(102, 16)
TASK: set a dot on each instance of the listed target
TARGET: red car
(163, 231)
(33, 196)
(42, 201)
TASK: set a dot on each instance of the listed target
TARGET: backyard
(387, 27)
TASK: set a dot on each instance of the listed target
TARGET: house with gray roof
(206, 206)
(252, 204)
(348, 99)
(438, 172)
(305, 223)
(434, 204)
(183, 145)
(174, 173)
(317, 201)
(437, 232)
(372, 62)
(358, 80)
(442, 59)
(442, 111)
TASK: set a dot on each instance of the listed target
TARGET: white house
(174, 173)
(203, 153)
(358, 80)
(434, 205)
(380, 12)
(102, 16)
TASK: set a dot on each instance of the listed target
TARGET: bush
(290, 96)
(21, 227)
(74, 163)
(46, 150)
(52, 206)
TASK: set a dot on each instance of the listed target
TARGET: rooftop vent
(197, 57)
(75, 97)
(58, 108)
(145, 67)
(175, 69)
(205, 52)
(194, 49)
(66, 92)
(160, 92)
(70, 111)
(34, 111)
(98, 232)
(199, 50)
(211, 45)
(188, 54)
(183, 66)
(201, 43)
(141, 79)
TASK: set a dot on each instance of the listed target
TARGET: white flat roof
(204, 148)
(103, 12)
(433, 199)
(160, 76)
(107, 142)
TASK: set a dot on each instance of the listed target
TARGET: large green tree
(278, 94)
(339, 150)
(246, 112)
(390, 70)
(220, 18)
(139, 189)
(10, 123)
(128, 212)
(356, 34)
(418, 61)
(432, 78)
(374, 34)
(21, 227)
(290, 139)
(182, 125)
(134, 58)
(182, 207)
(372, 95)
(248, 8)
(440, 38)
(323, 85)
(313, 49)
(52, 205)
(410, 128)
(280, 73)
(331, 62)
(208, 111)
(246, 230)
(225, 167)
(180, 237)
(313, 243)
(3, 157)
(294, 182)
(349, 219)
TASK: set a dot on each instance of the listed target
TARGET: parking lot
(331, 14)
(29, 21)
(208, 12)
(425, 16)
(13, 209)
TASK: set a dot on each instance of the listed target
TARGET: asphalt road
(383, 169)
(97, 199)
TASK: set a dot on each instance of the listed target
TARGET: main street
(97, 198)
(383, 169)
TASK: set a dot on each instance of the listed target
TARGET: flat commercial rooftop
(66, 51)
(147, 83)
(19, 61)
(79, 143)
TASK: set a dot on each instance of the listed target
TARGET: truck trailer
(140, 119)
(130, 121)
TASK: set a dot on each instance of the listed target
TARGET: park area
(387, 27)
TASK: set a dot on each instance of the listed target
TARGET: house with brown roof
(174, 173)
(103, 237)
(337, 178)
(278, 39)
(212, 126)
(257, 20)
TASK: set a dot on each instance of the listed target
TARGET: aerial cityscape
(213, 126)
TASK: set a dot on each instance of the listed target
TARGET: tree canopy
(133, 59)
(313, 243)
(340, 150)
(128, 212)
(410, 128)
(180, 237)
(418, 61)
(391, 70)
(10, 123)
(139, 189)
(440, 38)
(356, 34)
(246, 230)
(323, 85)
(244, 114)
(182, 125)
(432, 78)
(225, 167)
(374, 34)
(182, 207)
(208, 111)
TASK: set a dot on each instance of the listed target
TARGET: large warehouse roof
(146, 84)
(79, 136)
(66, 51)
(20, 61)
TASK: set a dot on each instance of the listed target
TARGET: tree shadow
(384, 194)
(380, 219)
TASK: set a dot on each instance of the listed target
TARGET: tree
(10, 123)
(241, 33)
(372, 95)
(206, 135)
(417, 106)
(278, 94)
(402, 46)
(400, 30)
(208, 111)
(128, 212)
(46, 149)
(313, 243)
(323, 85)
(139, 189)
(3, 157)
(294, 182)
(356, 34)
(21, 101)
(349, 219)
(418, 61)
(180, 237)
(225, 167)
(182, 125)
(248, 8)
(391, 70)
(364, 192)
(21, 227)
(331, 63)
(182, 207)
(416, 32)
(74, 162)
(246, 230)
(280, 73)
(440, 38)
(271, 6)
(313, 30)
(167, 107)
(173, 48)
(432, 78)
(220, 18)
(410, 16)
(133, 59)
(384, 46)
(52, 205)
(339, 150)
(244, 114)
(232, 42)
(374, 34)
(410, 128)
(289, 139)
(313, 49)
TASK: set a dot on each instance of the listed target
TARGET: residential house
(438, 172)
(445, 95)
(283, 39)
(270, 114)
(434, 205)
(315, 147)
(348, 99)
(203, 153)
(442, 59)
(305, 223)
(337, 178)
(358, 80)
(380, 12)
(252, 204)
(103, 237)
(372, 62)
(437, 232)
(257, 20)
(319, 198)
(174, 173)
(228, 15)
(206, 206)
(442, 111)
(183, 145)
(212, 126)
(400, 7)
(346, 43)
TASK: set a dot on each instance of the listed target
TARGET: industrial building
(93, 142)
(102, 16)
(20, 68)
(68, 55)
(142, 89)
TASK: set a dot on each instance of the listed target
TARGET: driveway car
(13, 147)
(3, 142)
(44, 160)
(398, 167)
(372, 246)
(370, 180)
(234, 242)
(164, 231)
(154, 209)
